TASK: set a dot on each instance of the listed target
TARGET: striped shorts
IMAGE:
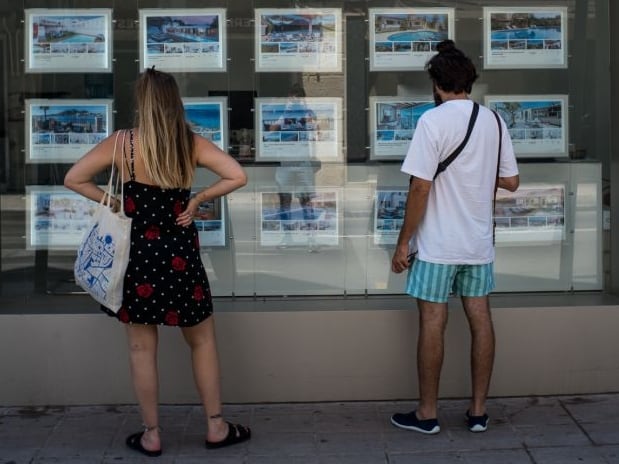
(434, 282)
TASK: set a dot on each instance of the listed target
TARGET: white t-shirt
(457, 225)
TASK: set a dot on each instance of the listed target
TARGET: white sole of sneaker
(478, 428)
(432, 431)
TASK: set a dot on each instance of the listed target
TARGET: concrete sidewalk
(539, 430)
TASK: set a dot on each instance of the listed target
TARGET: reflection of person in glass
(296, 176)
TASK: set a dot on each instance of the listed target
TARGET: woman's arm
(80, 176)
(231, 176)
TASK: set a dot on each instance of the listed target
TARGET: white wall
(309, 356)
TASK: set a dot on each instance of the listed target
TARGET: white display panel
(68, 40)
(392, 124)
(56, 217)
(62, 131)
(208, 117)
(298, 39)
(210, 220)
(525, 37)
(298, 129)
(299, 218)
(184, 40)
(537, 124)
(403, 39)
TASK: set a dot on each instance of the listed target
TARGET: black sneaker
(410, 421)
(476, 423)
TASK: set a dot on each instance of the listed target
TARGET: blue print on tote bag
(96, 270)
(103, 255)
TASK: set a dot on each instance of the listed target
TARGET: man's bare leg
(477, 311)
(430, 351)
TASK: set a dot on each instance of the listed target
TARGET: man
(449, 219)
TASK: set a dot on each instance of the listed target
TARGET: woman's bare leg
(144, 373)
(205, 362)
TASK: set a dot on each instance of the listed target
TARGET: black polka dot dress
(165, 282)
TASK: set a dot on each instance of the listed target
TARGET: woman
(165, 282)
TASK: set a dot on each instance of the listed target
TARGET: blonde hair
(165, 139)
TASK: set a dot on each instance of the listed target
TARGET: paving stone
(350, 442)
(510, 456)
(532, 430)
(544, 435)
(568, 455)
(432, 458)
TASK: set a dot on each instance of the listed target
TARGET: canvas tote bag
(103, 254)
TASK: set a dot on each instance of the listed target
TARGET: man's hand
(399, 262)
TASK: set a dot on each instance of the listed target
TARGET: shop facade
(318, 101)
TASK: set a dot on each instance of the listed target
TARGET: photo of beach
(536, 124)
(183, 40)
(525, 37)
(208, 117)
(64, 130)
(68, 41)
(298, 40)
(405, 38)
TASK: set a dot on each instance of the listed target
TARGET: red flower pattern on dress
(178, 263)
(144, 290)
(129, 205)
(171, 317)
(177, 208)
(152, 232)
(198, 293)
(123, 315)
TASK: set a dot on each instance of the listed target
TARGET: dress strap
(132, 156)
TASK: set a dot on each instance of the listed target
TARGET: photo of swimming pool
(71, 40)
(404, 38)
(522, 37)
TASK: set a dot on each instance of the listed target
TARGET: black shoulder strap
(447, 161)
(496, 181)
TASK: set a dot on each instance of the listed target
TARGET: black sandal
(237, 433)
(135, 443)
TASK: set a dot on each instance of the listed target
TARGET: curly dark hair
(450, 69)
